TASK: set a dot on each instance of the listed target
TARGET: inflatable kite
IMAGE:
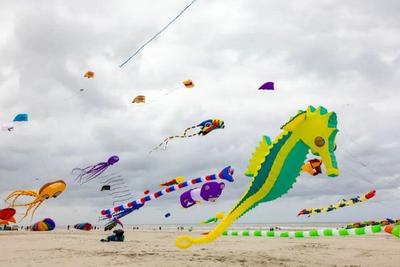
(174, 181)
(341, 204)
(312, 166)
(22, 117)
(219, 216)
(49, 190)
(188, 84)
(276, 165)
(83, 226)
(375, 229)
(393, 229)
(208, 192)
(89, 74)
(105, 188)
(7, 216)
(90, 172)
(139, 99)
(123, 210)
(386, 221)
(205, 128)
(267, 86)
(157, 34)
(44, 225)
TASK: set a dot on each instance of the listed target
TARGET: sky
(343, 55)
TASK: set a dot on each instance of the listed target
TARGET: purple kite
(208, 192)
(91, 172)
(267, 86)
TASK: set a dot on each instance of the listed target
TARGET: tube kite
(49, 190)
(341, 204)
(90, 172)
(375, 229)
(174, 181)
(123, 210)
(386, 221)
(46, 224)
(206, 127)
(219, 216)
(276, 165)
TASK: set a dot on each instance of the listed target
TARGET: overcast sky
(343, 55)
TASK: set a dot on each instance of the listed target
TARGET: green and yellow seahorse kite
(276, 165)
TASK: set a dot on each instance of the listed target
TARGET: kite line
(157, 34)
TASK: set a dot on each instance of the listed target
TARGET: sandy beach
(157, 248)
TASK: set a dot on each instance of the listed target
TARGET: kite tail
(166, 140)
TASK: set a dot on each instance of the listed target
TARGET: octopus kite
(90, 172)
(205, 127)
(341, 204)
(49, 190)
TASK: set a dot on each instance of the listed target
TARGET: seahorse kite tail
(275, 166)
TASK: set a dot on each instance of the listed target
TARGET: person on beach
(118, 236)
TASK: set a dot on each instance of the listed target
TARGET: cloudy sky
(343, 55)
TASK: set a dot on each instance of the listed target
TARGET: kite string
(157, 34)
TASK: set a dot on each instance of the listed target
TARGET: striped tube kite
(341, 204)
(123, 210)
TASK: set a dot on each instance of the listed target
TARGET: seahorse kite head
(275, 165)
(317, 129)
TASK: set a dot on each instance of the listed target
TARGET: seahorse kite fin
(276, 165)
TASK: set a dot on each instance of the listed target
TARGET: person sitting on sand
(118, 236)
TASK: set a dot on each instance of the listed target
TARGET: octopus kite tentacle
(89, 173)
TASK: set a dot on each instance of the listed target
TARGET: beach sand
(157, 248)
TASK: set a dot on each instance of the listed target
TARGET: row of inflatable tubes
(375, 229)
